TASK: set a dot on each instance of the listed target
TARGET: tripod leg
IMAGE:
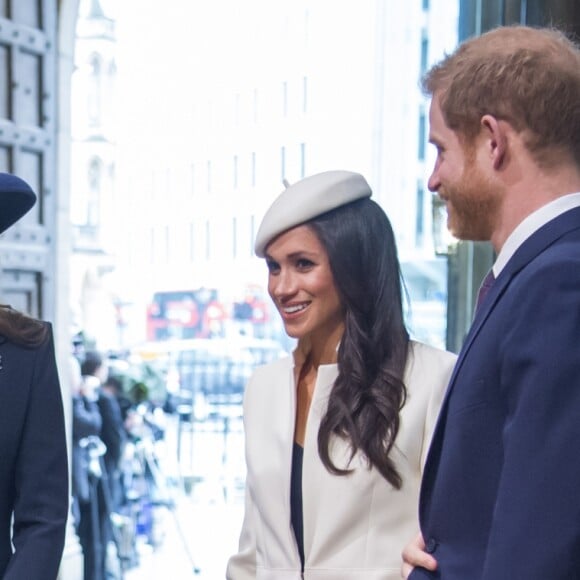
(157, 476)
(107, 504)
(97, 548)
(194, 566)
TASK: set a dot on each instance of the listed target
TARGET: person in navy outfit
(499, 497)
(34, 492)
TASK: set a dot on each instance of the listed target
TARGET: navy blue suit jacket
(33, 463)
(500, 497)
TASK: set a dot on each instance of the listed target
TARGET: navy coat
(33, 463)
(500, 497)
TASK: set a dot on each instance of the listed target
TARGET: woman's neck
(319, 351)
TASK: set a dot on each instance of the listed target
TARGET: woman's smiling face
(301, 284)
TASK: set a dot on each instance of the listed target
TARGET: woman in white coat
(337, 433)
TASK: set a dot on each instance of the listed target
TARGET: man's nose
(433, 183)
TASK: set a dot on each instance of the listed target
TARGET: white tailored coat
(355, 526)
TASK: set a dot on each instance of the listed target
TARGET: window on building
(285, 99)
(253, 168)
(94, 92)
(255, 106)
(166, 244)
(237, 99)
(152, 245)
(209, 176)
(234, 237)
(424, 53)
(422, 134)
(235, 172)
(207, 240)
(95, 178)
(252, 234)
(420, 215)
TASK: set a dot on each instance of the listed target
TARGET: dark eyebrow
(293, 255)
(302, 253)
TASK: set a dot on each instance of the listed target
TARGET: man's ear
(496, 139)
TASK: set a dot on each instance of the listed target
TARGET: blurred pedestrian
(113, 432)
(114, 386)
(113, 439)
(89, 507)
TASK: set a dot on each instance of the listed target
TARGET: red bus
(181, 314)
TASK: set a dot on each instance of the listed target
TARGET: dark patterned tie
(484, 289)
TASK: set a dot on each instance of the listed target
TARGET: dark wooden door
(28, 149)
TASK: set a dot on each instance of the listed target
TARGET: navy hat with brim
(16, 198)
(307, 199)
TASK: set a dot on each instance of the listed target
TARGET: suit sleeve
(535, 531)
(42, 495)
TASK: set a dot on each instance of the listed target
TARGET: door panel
(5, 86)
(28, 12)
(22, 290)
(27, 148)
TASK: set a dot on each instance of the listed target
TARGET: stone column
(72, 562)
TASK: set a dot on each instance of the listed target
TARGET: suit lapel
(532, 247)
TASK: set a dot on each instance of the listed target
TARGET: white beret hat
(307, 199)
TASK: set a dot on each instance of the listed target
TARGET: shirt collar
(531, 224)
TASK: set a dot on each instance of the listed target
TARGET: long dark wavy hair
(21, 329)
(369, 391)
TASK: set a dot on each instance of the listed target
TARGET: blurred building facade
(93, 163)
(260, 92)
(321, 86)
